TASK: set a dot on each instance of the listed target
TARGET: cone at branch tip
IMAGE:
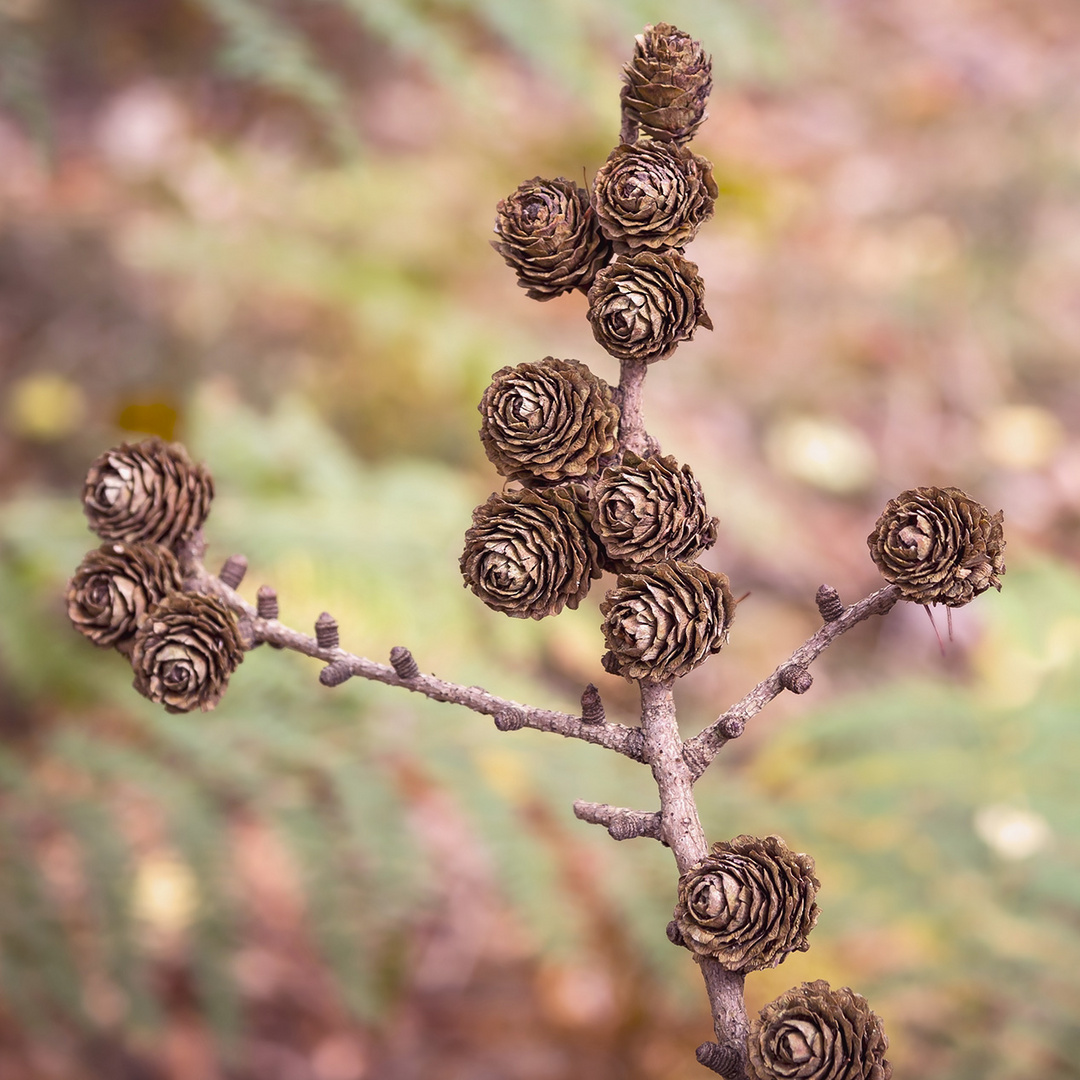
(939, 546)
(667, 85)
(147, 492)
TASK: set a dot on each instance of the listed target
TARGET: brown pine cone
(551, 420)
(664, 620)
(648, 511)
(549, 235)
(529, 553)
(115, 586)
(939, 545)
(815, 1033)
(641, 306)
(151, 491)
(184, 652)
(667, 85)
(653, 195)
(749, 903)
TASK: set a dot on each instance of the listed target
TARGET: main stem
(681, 830)
(632, 433)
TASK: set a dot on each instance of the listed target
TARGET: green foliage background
(292, 277)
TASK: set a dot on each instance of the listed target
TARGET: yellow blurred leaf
(506, 773)
(1021, 436)
(165, 893)
(823, 452)
(45, 406)
(149, 417)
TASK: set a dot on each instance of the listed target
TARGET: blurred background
(261, 228)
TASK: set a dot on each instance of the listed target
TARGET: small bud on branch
(829, 603)
(336, 673)
(624, 827)
(233, 570)
(401, 660)
(592, 708)
(509, 720)
(326, 631)
(266, 602)
(721, 1059)
(796, 678)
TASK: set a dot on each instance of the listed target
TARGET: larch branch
(628, 741)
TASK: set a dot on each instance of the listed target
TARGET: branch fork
(676, 764)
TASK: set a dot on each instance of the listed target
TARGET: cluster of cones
(585, 502)
(146, 501)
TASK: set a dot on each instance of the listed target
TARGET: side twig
(621, 822)
(699, 751)
(627, 741)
